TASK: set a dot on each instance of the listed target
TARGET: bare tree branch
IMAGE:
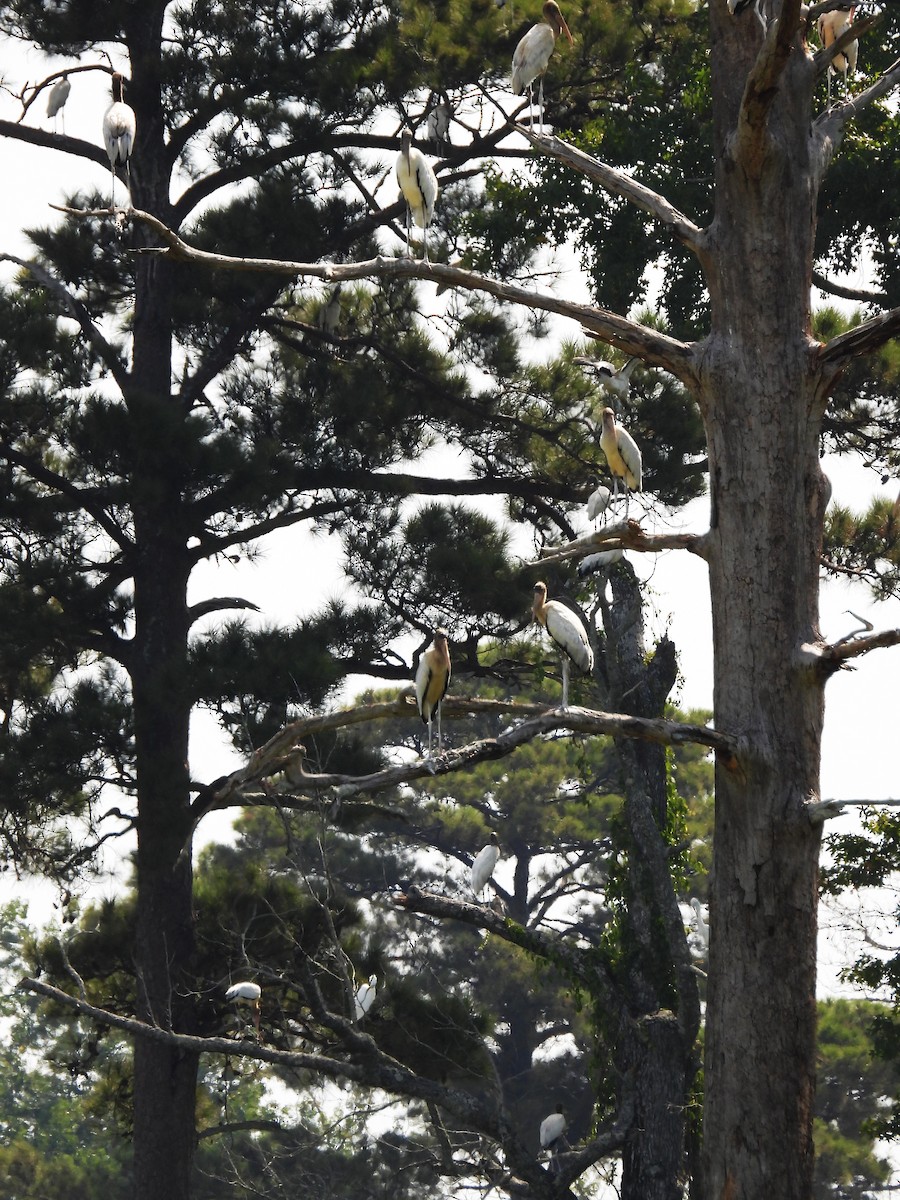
(655, 348)
(866, 337)
(619, 184)
(762, 86)
(846, 293)
(840, 652)
(622, 535)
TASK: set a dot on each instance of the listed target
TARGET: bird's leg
(409, 255)
(439, 710)
(759, 12)
(565, 682)
(112, 188)
(541, 103)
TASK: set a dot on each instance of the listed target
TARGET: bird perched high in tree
(830, 26)
(56, 101)
(364, 998)
(532, 56)
(483, 866)
(567, 630)
(553, 1133)
(611, 378)
(622, 455)
(432, 681)
(119, 127)
(247, 993)
(419, 185)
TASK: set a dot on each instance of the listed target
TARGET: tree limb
(272, 757)
(846, 293)
(619, 184)
(839, 652)
(623, 535)
(761, 87)
(829, 127)
(55, 141)
(217, 604)
(864, 338)
(655, 348)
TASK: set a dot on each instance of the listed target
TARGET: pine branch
(79, 314)
(55, 141)
(655, 348)
(847, 293)
(219, 604)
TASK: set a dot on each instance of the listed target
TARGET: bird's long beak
(563, 28)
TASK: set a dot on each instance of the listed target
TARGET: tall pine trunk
(762, 403)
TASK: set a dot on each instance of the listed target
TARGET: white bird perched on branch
(598, 502)
(597, 562)
(365, 997)
(553, 1133)
(622, 454)
(830, 26)
(432, 681)
(483, 866)
(567, 630)
(246, 993)
(419, 185)
(702, 926)
(611, 378)
(56, 101)
(532, 56)
(736, 6)
(437, 127)
(119, 127)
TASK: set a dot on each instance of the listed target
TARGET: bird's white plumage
(438, 124)
(567, 631)
(830, 26)
(701, 924)
(483, 866)
(365, 997)
(532, 54)
(622, 453)
(597, 562)
(598, 502)
(59, 94)
(552, 1129)
(119, 128)
(244, 992)
(611, 378)
(418, 185)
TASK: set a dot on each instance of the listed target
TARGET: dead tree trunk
(762, 397)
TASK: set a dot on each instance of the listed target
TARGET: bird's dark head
(405, 138)
(556, 21)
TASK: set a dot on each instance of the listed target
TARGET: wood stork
(567, 630)
(553, 1133)
(364, 998)
(483, 866)
(118, 134)
(532, 56)
(611, 378)
(419, 186)
(622, 455)
(246, 993)
(437, 127)
(56, 101)
(598, 502)
(599, 562)
(830, 26)
(736, 6)
(432, 681)
(702, 926)
(330, 313)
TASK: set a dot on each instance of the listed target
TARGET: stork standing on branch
(56, 101)
(419, 186)
(483, 866)
(246, 993)
(622, 454)
(533, 55)
(567, 630)
(432, 681)
(119, 127)
(830, 26)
